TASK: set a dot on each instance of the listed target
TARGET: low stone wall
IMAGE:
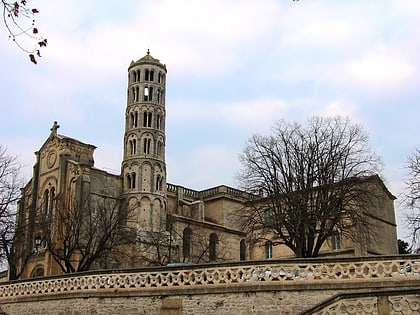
(327, 286)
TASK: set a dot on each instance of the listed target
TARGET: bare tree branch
(310, 183)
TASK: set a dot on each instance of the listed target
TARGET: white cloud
(382, 68)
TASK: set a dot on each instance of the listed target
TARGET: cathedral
(75, 217)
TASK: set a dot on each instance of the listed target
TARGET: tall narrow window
(212, 247)
(146, 75)
(128, 180)
(136, 118)
(150, 98)
(52, 200)
(138, 75)
(133, 180)
(46, 202)
(152, 73)
(268, 250)
(149, 120)
(186, 242)
(146, 93)
(133, 76)
(158, 121)
(268, 217)
(134, 94)
(336, 241)
(159, 77)
(242, 250)
(158, 183)
(159, 148)
(133, 146)
(146, 145)
(158, 96)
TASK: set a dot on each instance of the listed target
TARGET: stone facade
(192, 226)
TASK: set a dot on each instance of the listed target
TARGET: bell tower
(143, 167)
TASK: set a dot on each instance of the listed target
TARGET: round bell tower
(143, 167)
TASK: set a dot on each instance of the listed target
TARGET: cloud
(382, 69)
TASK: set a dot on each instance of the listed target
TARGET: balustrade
(246, 273)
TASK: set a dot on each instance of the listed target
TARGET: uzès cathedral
(69, 208)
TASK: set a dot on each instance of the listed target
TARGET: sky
(235, 68)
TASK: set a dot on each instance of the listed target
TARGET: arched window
(159, 77)
(133, 76)
(336, 240)
(146, 75)
(134, 119)
(46, 202)
(268, 250)
(158, 183)
(133, 146)
(242, 250)
(212, 247)
(37, 272)
(147, 119)
(152, 73)
(134, 94)
(186, 242)
(158, 121)
(146, 94)
(150, 98)
(131, 180)
(138, 75)
(52, 200)
(158, 96)
(159, 148)
(146, 145)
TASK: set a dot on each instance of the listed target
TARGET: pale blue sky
(234, 69)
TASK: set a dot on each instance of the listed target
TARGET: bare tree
(312, 181)
(81, 234)
(19, 20)
(411, 197)
(11, 228)
(160, 247)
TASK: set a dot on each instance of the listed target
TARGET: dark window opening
(212, 247)
(186, 242)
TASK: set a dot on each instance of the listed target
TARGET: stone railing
(273, 272)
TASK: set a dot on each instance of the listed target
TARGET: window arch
(146, 75)
(212, 247)
(152, 73)
(186, 242)
(38, 271)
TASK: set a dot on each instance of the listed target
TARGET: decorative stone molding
(261, 273)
